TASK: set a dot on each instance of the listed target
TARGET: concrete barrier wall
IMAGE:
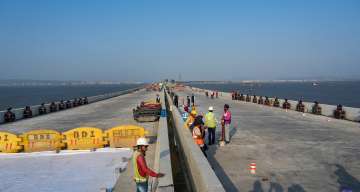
(162, 161)
(202, 176)
(352, 114)
(35, 109)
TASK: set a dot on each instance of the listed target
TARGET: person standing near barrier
(176, 100)
(226, 120)
(193, 99)
(210, 124)
(198, 136)
(141, 170)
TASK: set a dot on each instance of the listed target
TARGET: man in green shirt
(210, 124)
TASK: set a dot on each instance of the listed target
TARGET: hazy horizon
(198, 40)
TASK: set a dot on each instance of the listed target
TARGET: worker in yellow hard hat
(190, 120)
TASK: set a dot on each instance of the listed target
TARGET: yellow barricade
(9, 143)
(41, 140)
(83, 138)
(125, 135)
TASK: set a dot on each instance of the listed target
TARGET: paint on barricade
(9, 143)
(125, 135)
(83, 138)
(41, 140)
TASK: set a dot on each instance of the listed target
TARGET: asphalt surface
(293, 152)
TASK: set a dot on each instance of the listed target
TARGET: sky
(142, 40)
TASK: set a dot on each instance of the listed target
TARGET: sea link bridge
(292, 151)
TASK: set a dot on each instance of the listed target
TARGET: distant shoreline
(267, 81)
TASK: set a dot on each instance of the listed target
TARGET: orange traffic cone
(252, 168)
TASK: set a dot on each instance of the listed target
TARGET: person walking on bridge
(226, 120)
(210, 124)
(141, 171)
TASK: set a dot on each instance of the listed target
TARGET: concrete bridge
(292, 151)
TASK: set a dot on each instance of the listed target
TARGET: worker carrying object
(141, 171)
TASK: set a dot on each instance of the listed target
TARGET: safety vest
(137, 177)
(210, 120)
(196, 133)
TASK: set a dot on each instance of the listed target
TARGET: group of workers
(10, 116)
(198, 124)
(214, 94)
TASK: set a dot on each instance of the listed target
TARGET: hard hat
(211, 108)
(142, 141)
(193, 112)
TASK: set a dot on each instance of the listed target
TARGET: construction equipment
(147, 112)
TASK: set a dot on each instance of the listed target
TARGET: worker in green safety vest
(210, 124)
(141, 171)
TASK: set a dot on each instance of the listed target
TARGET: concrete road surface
(292, 152)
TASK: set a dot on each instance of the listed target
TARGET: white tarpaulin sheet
(78, 171)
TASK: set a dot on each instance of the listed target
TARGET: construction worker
(188, 101)
(141, 170)
(190, 120)
(210, 124)
(198, 136)
(226, 120)
(193, 99)
(157, 98)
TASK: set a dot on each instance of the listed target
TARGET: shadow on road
(347, 182)
(219, 171)
(276, 187)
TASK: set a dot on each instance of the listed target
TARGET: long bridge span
(292, 151)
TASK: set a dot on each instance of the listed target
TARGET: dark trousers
(211, 136)
(203, 149)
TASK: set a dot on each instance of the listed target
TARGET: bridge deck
(292, 152)
(103, 114)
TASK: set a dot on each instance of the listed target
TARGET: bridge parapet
(202, 176)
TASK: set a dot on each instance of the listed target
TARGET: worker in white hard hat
(210, 124)
(141, 170)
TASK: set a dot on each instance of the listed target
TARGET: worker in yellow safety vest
(210, 125)
(141, 171)
(190, 120)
